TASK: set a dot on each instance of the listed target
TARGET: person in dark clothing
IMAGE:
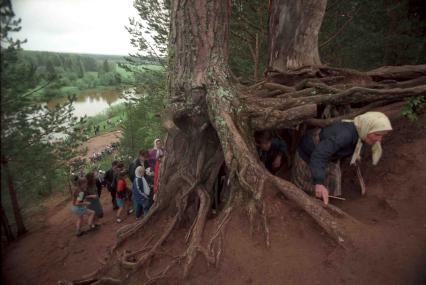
(317, 163)
(272, 151)
(141, 193)
(100, 183)
(121, 192)
(219, 187)
(95, 204)
(109, 180)
(142, 160)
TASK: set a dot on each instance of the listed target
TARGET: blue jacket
(138, 191)
(336, 141)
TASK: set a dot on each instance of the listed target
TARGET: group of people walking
(125, 199)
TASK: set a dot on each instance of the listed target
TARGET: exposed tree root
(127, 231)
(92, 281)
(334, 221)
(325, 122)
(162, 274)
(151, 252)
(197, 231)
(252, 176)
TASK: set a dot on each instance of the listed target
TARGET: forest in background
(358, 34)
(70, 73)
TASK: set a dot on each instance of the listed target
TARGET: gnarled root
(197, 230)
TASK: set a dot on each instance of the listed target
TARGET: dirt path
(52, 252)
(99, 143)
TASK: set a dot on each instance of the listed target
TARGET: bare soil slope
(393, 252)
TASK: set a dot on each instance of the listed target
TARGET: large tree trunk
(293, 33)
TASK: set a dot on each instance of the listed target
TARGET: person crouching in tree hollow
(272, 151)
(316, 166)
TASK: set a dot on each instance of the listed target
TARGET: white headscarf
(158, 151)
(155, 143)
(365, 124)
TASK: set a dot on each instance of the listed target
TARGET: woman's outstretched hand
(321, 193)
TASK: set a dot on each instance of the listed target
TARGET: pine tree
(28, 157)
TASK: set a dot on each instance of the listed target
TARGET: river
(92, 102)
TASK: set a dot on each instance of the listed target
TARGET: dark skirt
(96, 206)
(302, 177)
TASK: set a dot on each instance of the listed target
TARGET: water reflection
(91, 102)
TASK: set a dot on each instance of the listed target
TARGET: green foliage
(28, 128)
(410, 107)
(107, 121)
(248, 23)
(73, 71)
(248, 39)
(142, 124)
(364, 34)
(150, 34)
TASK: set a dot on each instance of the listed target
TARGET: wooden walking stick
(337, 198)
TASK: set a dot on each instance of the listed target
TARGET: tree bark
(293, 33)
(6, 226)
(15, 204)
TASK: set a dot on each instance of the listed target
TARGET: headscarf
(155, 143)
(158, 151)
(365, 124)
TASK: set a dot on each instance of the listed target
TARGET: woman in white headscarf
(155, 157)
(158, 147)
(316, 167)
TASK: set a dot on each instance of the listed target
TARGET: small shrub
(409, 110)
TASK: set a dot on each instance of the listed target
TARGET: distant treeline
(69, 73)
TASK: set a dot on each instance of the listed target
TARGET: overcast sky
(80, 26)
